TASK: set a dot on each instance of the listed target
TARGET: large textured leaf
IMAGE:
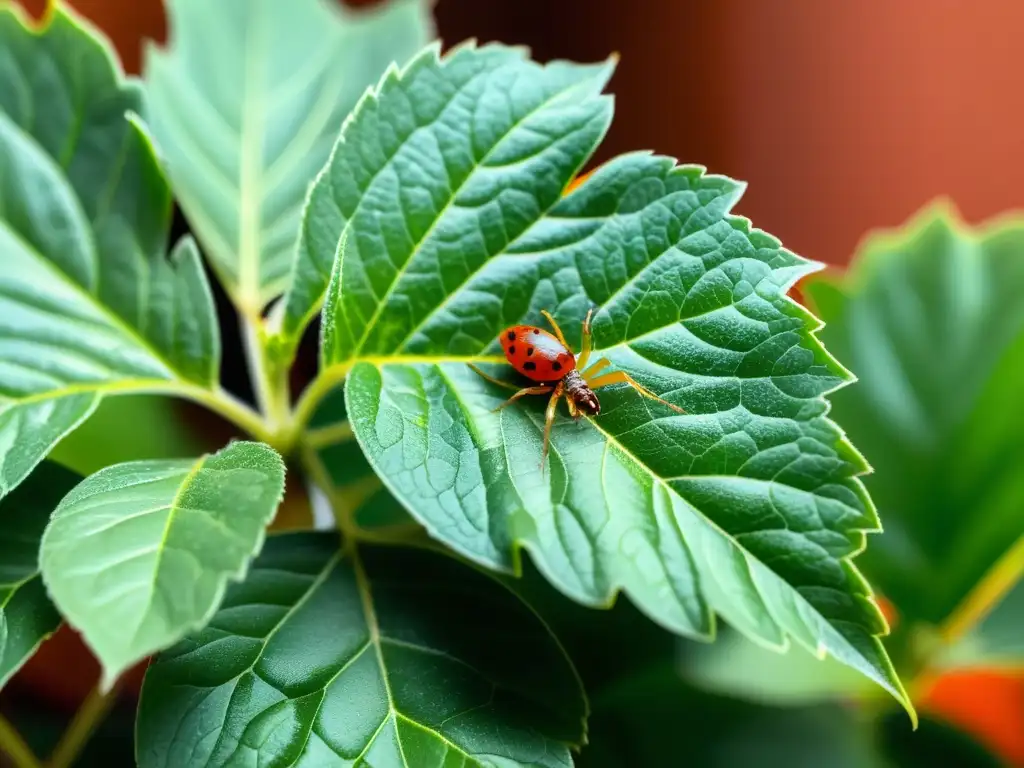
(139, 554)
(391, 658)
(245, 105)
(449, 182)
(89, 302)
(27, 616)
(931, 320)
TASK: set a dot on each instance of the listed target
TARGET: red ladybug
(547, 359)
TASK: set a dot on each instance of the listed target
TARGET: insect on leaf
(449, 183)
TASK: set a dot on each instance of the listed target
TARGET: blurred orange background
(842, 117)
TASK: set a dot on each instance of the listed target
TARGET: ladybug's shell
(536, 354)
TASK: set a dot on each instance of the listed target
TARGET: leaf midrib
(162, 544)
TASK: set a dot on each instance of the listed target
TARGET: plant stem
(326, 380)
(88, 717)
(231, 408)
(15, 747)
(271, 391)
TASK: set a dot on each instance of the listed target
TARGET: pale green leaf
(89, 299)
(27, 617)
(931, 320)
(245, 104)
(390, 658)
(449, 180)
(139, 554)
(734, 666)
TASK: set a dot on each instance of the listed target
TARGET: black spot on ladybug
(556, 366)
(511, 335)
(512, 349)
(536, 330)
(529, 351)
(530, 366)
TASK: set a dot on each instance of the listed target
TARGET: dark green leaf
(931, 320)
(934, 743)
(392, 658)
(27, 617)
(448, 182)
(653, 719)
(245, 104)
(139, 554)
(90, 301)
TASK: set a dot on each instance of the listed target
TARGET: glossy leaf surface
(449, 185)
(396, 658)
(931, 320)
(245, 104)
(90, 302)
(139, 554)
(27, 617)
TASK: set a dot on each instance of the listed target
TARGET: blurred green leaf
(934, 743)
(245, 104)
(451, 224)
(654, 719)
(27, 617)
(931, 320)
(387, 658)
(90, 301)
(125, 428)
(736, 666)
(139, 554)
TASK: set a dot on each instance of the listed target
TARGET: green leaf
(27, 617)
(450, 180)
(245, 105)
(931, 320)
(139, 554)
(89, 300)
(387, 658)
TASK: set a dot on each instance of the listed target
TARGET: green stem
(229, 407)
(321, 386)
(85, 722)
(271, 390)
(15, 747)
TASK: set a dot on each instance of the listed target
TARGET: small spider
(547, 359)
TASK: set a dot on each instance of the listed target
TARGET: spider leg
(581, 361)
(557, 330)
(549, 419)
(499, 382)
(573, 410)
(621, 377)
(600, 365)
(523, 393)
